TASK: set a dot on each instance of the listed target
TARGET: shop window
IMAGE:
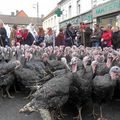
(111, 21)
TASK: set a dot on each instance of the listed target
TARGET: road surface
(9, 110)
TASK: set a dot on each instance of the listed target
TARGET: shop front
(86, 18)
(108, 13)
(74, 21)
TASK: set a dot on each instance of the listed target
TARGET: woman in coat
(106, 39)
(60, 39)
(3, 34)
(40, 36)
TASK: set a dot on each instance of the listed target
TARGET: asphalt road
(9, 110)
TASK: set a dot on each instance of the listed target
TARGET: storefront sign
(73, 21)
(107, 8)
(87, 17)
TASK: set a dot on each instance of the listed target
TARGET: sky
(45, 6)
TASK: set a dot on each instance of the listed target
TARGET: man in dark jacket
(96, 37)
(69, 35)
(116, 38)
(86, 32)
(3, 34)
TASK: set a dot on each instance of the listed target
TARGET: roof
(8, 19)
(62, 1)
(22, 14)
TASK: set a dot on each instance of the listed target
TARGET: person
(50, 38)
(40, 36)
(116, 38)
(96, 36)
(85, 32)
(69, 35)
(106, 39)
(8, 30)
(25, 36)
(3, 34)
(31, 28)
(13, 35)
(60, 39)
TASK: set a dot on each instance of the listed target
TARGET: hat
(68, 25)
(115, 69)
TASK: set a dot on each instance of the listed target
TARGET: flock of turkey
(55, 76)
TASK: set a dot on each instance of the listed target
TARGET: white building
(71, 12)
(51, 20)
(106, 12)
(98, 2)
(72, 8)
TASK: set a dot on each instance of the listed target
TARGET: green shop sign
(87, 17)
(110, 7)
(74, 21)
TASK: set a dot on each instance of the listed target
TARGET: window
(70, 11)
(54, 20)
(111, 21)
(51, 22)
(78, 7)
(63, 14)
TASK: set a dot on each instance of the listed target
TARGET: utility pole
(36, 6)
(37, 13)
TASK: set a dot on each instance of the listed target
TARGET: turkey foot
(79, 117)
(7, 91)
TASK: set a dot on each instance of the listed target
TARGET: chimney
(17, 12)
(42, 16)
(12, 14)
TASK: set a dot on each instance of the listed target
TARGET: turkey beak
(18, 65)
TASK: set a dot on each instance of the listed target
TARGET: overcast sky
(45, 6)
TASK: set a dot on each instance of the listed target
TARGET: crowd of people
(77, 66)
(99, 36)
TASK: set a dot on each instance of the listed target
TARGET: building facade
(72, 8)
(74, 11)
(107, 13)
(51, 20)
(103, 12)
(98, 2)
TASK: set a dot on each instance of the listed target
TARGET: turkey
(28, 78)
(51, 96)
(103, 87)
(7, 77)
(80, 89)
(104, 68)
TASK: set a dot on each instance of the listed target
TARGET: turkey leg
(45, 114)
(79, 117)
(7, 91)
(101, 113)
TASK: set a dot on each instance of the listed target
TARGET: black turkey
(103, 87)
(80, 89)
(51, 95)
(7, 76)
